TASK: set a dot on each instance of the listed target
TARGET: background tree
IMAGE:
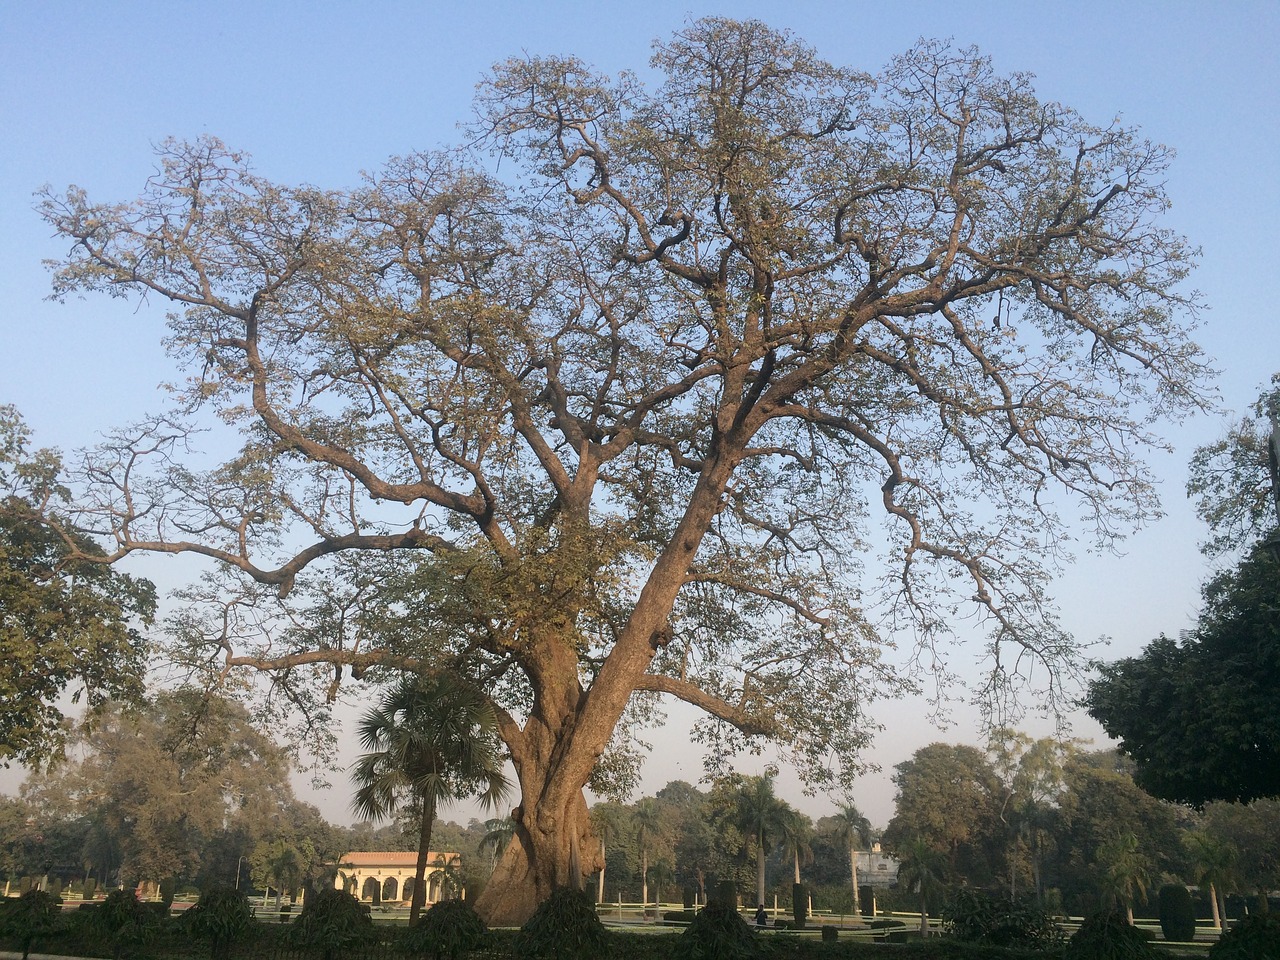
(169, 781)
(625, 430)
(1100, 801)
(648, 825)
(280, 866)
(760, 818)
(796, 832)
(853, 831)
(949, 796)
(68, 624)
(497, 834)
(1201, 715)
(1198, 714)
(1252, 831)
(431, 740)
(1213, 867)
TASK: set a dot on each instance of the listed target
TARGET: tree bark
(853, 871)
(420, 868)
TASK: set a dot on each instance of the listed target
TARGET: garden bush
(449, 929)
(331, 922)
(564, 927)
(29, 917)
(1177, 913)
(977, 918)
(123, 922)
(717, 933)
(1256, 937)
(1110, 936)
(221, 916)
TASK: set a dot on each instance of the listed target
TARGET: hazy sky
(317, 92)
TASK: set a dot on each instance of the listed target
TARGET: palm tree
(759, 814)
(854, 831)
(1213, 862)
(923, 869)
(497, 834)
(648, 823)
(431, 740)
(662, 875)
(606, 821)
(797, 831)
(1127, 871)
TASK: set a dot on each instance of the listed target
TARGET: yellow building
(387, 876)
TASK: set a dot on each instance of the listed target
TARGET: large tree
(625, 392)
(68, 625)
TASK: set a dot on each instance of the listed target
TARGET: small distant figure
(762, 918)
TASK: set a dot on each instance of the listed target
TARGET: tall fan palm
(854, 831)
(1126, 871)
(607, 822)
(431, 740)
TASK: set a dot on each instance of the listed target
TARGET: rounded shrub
(331, 922)
(1177, 913)
(448, 930)
(718, 932)
(1256, 937)
(1109, 936)
(221, 916)
(564, 927)
(977, 918)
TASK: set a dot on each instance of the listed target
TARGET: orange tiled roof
(391, 858)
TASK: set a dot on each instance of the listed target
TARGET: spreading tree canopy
(623, 377)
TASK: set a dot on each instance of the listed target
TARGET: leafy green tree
(431, 740)
(760, 817)
(498, 833)
(1100, 802)
(853, 831)
(1231, 482)
(68, 624)
(949, 796)
(796, 832)
(1201, 715)
(170, 783)
(628, 434)
(1253, 832)
(281, 866)
(649, 827)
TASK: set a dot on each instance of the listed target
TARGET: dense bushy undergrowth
(1110, 936)
(977, 918)
(1256, 937)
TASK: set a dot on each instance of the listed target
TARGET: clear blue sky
(317, 92)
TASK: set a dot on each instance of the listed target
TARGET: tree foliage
(1201, 715)
(431, 741)
(68, 624)
(625, 404)
(172, 782)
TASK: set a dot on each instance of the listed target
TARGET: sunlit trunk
(1213, 903)
(420, 867)
(853, 872)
